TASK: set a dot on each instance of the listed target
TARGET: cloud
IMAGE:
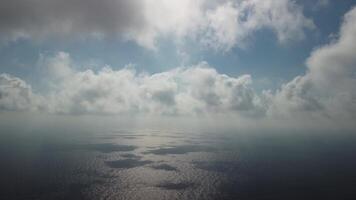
(16, 95)
(326, 91)
(194, 90)
(36, 19)
(218, 24)
(322, 3)
(57, 67)
(328, 87)
(231, 24)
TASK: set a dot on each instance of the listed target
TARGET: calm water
(153, 164)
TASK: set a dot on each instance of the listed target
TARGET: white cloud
(232, 23)
(194, 90)
(16, 95)
(220, 24)
(223, 28)
(177, 18)
(57, 67)
(284, 17)
(223, 25)
(183, 91)
(328, 87)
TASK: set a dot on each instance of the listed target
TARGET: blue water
(156, 164)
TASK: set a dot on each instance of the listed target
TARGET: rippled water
(153, 164)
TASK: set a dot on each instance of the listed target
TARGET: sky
(240, 60)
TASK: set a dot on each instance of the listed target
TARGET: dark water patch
(101, 147)
(181, 150)
(75, 190)
(98, 175)
(130, 155)
(42, 190)
(108, 147)
(216, 166)
(176, 186)
(165, 167)
(292, 188)
(127, 163)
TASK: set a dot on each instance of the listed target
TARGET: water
(156, 164)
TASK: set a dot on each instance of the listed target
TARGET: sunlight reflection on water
(176, 165)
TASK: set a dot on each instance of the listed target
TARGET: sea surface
(157, 164)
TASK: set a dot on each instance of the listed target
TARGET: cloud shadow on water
(130, 155)
(165, 167)
(100, 147)
(108, 147)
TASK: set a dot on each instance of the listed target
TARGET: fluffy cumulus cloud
(328, 87)
(196, 90)
(221, 24)
(16, 95)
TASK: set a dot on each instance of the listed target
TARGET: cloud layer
(220, 24)
(194, 90)
(326, 91)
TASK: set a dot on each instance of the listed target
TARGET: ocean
(160, 164)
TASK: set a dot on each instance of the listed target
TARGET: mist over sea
(62, 162)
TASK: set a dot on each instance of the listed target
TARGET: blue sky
(259, 45)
